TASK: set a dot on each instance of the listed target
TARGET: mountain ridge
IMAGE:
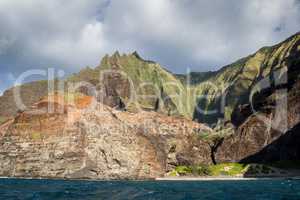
(133, 61)
(63, 143)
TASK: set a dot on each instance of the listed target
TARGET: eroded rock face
(29, 93)
(97, 142)
(270, 134)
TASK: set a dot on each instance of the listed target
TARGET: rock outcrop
(129, 80)
(29, 93)
(137, 83)
(116, 131)
(86, 139)
(270, 133)
(232, 85)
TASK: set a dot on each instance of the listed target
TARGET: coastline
(165, 179)
(227, 178)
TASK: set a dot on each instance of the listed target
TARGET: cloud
(203, 35)
(46, 33)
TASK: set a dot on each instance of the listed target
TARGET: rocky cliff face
(125, 81)
(87, 139)
(270, 133)
(232, 84)
(112, 132)
(263, 137)
(130, 82)
(29, 93)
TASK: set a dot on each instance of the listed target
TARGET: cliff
(233, 84)
(271, 133)
(86, 139)
(115, 131)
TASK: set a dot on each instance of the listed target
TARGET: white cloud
(63, 32)
(202, 33)
(84, 49)
(178, 33)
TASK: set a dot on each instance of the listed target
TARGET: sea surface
(143, 190)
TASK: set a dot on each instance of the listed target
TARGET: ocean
(144, 190)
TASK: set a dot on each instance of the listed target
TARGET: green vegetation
(87, 74)
(204, 135)
(2, 119)
(260, 169)
(36, 135)
(149, 79)
(220, 131)
(233, 82)
(238, 79)
(72, 97)
(200, 170)
(226, 169)
(195, 77)
(184, 170)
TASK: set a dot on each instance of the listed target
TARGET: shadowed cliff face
(135, 83)
(140, 124)
(87, 139)
(285, 148)
(230, 89)
(129, 80)
(269, 133)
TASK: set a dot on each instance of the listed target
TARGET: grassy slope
(232, 169)
(224, 169)
(195, 78)
(238, 78)
(140, 71)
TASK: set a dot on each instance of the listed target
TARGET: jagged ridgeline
(124, 81)
(130, 82)
(236, 81)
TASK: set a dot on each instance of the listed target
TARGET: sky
(201, 35)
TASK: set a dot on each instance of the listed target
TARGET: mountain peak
(116, 54)
(116, 57)
(137, 55)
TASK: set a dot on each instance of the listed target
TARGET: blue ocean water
(143, 190)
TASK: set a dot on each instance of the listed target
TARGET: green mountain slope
(194, 78)
(130, 82)
(235, 82)
(138, 83)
